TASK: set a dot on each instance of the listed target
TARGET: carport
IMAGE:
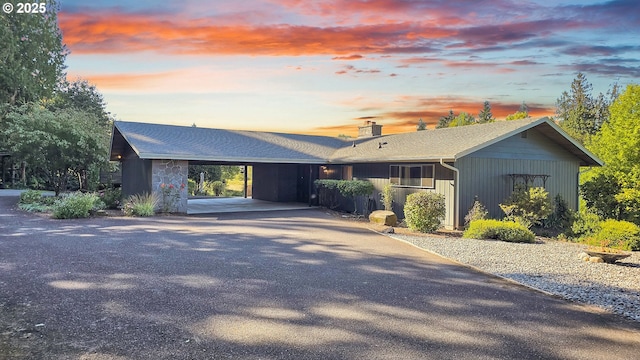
(155, 159)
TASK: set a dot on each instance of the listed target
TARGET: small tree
(476, 212)
(387, 197)
(421, 125)
(485, 115)
(424, 211)
(527, 206)
(444, 121)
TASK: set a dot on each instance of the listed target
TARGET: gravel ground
(550, 266)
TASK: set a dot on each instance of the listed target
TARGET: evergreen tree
(421, 125)
(579, 113)
(445, 120)
(485, 115)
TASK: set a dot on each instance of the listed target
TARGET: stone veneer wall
(169, 184)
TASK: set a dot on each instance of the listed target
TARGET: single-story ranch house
(482, 161)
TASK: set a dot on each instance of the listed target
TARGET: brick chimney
(369, 129)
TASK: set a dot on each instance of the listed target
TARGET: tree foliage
(581, 114)
(81, 95)
(462, 120)
(55, 144)
(485, 115)
(617, 145)
(444, 121)
(32, 55)
(421, 125)
(517, 115)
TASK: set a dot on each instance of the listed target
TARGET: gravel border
(550, 266)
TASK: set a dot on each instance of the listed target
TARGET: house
(484, 161)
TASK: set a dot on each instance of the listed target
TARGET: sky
(327, 66)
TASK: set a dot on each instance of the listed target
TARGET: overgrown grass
(141, 205)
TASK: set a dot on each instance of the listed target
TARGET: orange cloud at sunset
(120, 32)
(404, 117)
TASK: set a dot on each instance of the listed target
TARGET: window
(412, 175)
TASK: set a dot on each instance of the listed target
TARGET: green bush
(34, 201)
(76, 205)
(424, 211)
(476, 212)
(527, 206)
(328, 190)
(192, 186)
(141, 205)
(585, 224)
(112, 197)
(387, 197)
(31, 197)
(215, 188)
(615, 234)
(500, 230)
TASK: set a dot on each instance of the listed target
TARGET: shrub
(562, 216)
(327, 192)
(192, 186)
(30, 197)
(347, 188)
(352, 188)
(387, 197)
(476, 212)
(34, 201)
(424, 211)
(615, 234)
(76, 205)
(585, 224)
(215, 188)
(527, 206)
(112, 197)
(500, 230)
(140, 205)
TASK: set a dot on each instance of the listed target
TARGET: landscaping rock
(388, 230)
(584, 256)
(384, 217)
(596, 259)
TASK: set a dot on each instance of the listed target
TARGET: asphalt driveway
(281, 285)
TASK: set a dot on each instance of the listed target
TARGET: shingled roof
(153, 141)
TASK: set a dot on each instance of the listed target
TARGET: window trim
(396, 181)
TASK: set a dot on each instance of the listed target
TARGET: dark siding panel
(136, 176)
(378, 174)
(275, 182)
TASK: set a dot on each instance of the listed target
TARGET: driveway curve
(281, 285)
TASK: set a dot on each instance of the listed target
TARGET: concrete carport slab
(237, 204)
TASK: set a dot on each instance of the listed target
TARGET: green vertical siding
(485, 173)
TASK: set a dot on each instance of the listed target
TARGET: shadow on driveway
(282, 285)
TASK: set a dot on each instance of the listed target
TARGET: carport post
(246, 180)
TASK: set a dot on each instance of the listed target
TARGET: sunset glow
(322, 67)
